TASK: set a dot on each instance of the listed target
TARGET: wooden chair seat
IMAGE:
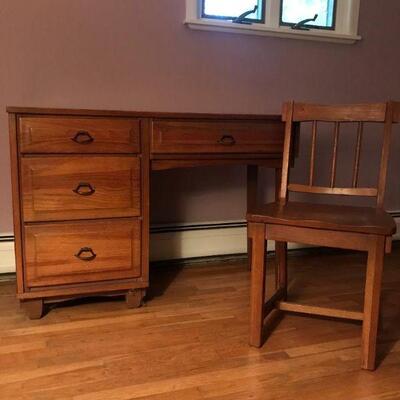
(368, 220)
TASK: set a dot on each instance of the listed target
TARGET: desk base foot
(134, 298)
(33, 308)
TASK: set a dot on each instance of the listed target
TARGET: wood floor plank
(190, 340)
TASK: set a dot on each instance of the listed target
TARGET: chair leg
(257, 295)
(281, 265)
(371, 303)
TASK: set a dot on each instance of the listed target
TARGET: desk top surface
(142, 114)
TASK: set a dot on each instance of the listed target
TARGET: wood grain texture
(340, 112)
(174, 163)
(257, 293)
(244, 158)
(134, 298)
(73, 167)
(354, 228)
(386, 145)
(320, 237)
(321, 311)
(294, 113)
(190, 341)
(33, 308)
(363, 192)
(326, 216)
(372, 295)
(16, 199)
(175, 136)
(49, 184)
(356, 168)
(46, 134)
(134, 114)
(335, 154)
(312, 153)
(84, 289)
(287, 115)
(52, 252)
(145, 199)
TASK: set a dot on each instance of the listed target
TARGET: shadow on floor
(389, 325)
(67, 303)
(161, 277)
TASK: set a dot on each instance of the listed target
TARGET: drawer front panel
(78, 135)
(185, 137)
(84, 251)
(63, 188)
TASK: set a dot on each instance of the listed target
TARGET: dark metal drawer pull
(82, 137)
(227, 140)
(86, 250)
(83, 185)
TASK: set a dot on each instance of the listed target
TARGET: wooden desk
(81, 199)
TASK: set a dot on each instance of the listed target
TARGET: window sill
(262, 30)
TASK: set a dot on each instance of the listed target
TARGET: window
(324, 20)
(232, 9)
(323, 11)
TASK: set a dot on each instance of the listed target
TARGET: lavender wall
(137, 55)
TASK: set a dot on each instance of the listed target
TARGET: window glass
(294, 11)
(230, 9)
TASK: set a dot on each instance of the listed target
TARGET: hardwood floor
(191, 339)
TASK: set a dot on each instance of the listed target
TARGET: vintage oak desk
(81, 190)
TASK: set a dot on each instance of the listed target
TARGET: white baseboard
(183, 241)
(7, 259)
(197, 243)
(205, 242)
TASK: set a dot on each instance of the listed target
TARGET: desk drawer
(78, 135)
(174, 137)
(79, 187)
(65, 253)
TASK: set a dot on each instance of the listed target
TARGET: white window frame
(346, 29)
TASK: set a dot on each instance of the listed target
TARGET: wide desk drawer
(84, 251)
(79, 187)
(185, 137)
(78, 135)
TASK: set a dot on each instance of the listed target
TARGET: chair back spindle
(356, 168)
(287, 148)
(313, 145)
(334, 155)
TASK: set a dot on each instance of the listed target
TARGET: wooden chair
(367, 229)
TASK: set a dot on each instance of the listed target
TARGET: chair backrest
(296, 113)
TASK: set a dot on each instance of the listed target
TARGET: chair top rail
(304, 112)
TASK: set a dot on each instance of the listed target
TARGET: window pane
(229, 9)
(294, 11)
